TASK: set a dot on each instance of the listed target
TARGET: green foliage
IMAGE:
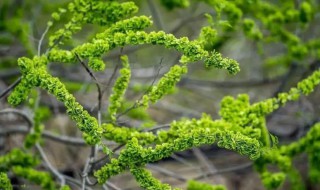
(21, 164)
(194, 185)
(283, 158)
(171, 4)
(272, 181)
(89, 12)
(165, 84)
(250, 29)
(41, 178)
(178, 138)
(35, 74)
(208, 38)
(119, 88)
(242, 126)
(65, 187)
(16, 26)
(146, 180)
(5, 182)
(40, 114)
(124, 134)
(17, 157)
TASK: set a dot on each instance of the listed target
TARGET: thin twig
(136, 105)
(225, 170)
(49, 166)
(84, 174)
(113, 186)
(181, 160)
(88, 71)
(204, 161)
(104, 158)
(74, 181)
(41, 39)
(175, 29)
(45, 134)
(156, 128)
(167, 172)
(13, 85)
(56, 42)
(107, 89)
(94, 149)
(20, 113)
(42, 153)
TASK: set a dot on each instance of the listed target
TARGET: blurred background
(266, 69)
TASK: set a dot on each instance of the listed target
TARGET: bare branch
(45, 134)
(204, 161)
(74, 181)
(49, 166)
(12, 86)
(226, 170)
(167, 172)
(18, 112)
(41, 39)
(111, 185)
(136, 105)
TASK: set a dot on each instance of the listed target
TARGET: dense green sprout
(146, 180)
(124, 134)
(166, 83)
(135, 154)
(17, 157)
(5, 181)
(41, 178)
(119, 88)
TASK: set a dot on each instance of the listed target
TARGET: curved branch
(6, 91)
